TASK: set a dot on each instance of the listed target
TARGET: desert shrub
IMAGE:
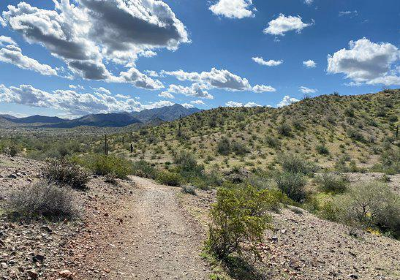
(189, 190)
(239, 148)
(295, 164)
(239, 215)
(330, 182)
(322, 150)
(292, 185)
(107, 165)
(390, 161)
(62, 172)
(44, 200)
(169, 178)
(370, 205)
(224, 147)
(143, 169)
(13, 150)
(285, 130)
(272, 142)
(186, 161)
(355, 135)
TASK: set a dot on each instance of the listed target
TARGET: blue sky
(129, 53)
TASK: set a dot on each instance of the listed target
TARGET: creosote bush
(45, 200)
(169, 178)
(144, 169)
(62, 172)
(331, 183)
(107, 165)
(292, 185)
(296, 164)
(372, 206)
(239, 215)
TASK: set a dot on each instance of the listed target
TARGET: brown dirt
(154, 238)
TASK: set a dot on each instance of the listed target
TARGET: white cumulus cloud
(310, 63)
(287, 100)
(11, 53)
(216, 78)
(234, 8)
(269, 63)
(367, 62)
(283, 24)
(72, 102)
(304, 89)
(89, 35)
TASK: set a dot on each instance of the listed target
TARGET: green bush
(322, 150)
(239, 215)
(292, 185)
(169, 178)
(285, 130)
(295, 164)
(272, 142)
(143, 169)
(63, 172)
(224, 147)
(189, 190)
(370, 205)
(44, 200)
(107, 165)
(332, 183)
(239, 148)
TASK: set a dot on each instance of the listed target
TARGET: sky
(75, 57)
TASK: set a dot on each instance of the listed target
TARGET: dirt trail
(157, 240)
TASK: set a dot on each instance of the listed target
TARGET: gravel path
(157, 240)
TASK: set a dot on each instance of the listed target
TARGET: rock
(32, 274)
(4, 265)
(12, 176)
(66, 274)
(274, 239)
(353, 276)
(38, 258)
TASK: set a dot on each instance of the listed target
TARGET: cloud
(6, 41)
(197, 102)
(195, 90)
(220, 79)
(304, 89)
(234, 8)
(263, 88)
(287, 100)
(239, 104)
(367, 62)
(269, 63)
(72, 102)
(2, 22)
(187, 105)
(310, 64)
(308, 2)
(90, 34)
(166, 94)
(233, 104)
(348, 13)
(12, 54)
(283, 24)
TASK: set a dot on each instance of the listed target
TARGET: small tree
(239, 215)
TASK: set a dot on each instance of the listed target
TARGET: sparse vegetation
(238, 216)
(44, 200)
(62, 172)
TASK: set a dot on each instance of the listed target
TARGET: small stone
(353, 276)
(4, 265)
(66, 274)
(32, 274)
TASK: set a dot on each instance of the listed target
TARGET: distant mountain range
(168, 113)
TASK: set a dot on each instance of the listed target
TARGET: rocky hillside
(331, 130)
